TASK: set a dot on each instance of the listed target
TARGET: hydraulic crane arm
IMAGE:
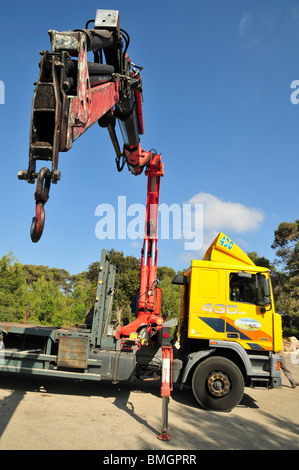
(73, 93)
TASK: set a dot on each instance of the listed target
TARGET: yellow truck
(229, 335)
(229, 332)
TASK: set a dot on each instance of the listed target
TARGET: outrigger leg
(166, 387)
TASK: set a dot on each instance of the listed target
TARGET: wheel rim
(219, 384)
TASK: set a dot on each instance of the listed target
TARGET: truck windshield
(247, 287)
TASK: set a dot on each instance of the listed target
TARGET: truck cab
(228, 319)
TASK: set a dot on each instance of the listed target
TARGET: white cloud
(251, 32)
(232, 218)
(244, 23)
(219, 215)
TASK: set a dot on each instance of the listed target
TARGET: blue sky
(217, 105)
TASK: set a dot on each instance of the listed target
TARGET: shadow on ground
(191, 426)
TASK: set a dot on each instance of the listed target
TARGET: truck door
(248, 316)
(206, 307)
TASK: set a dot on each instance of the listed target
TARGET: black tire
(218, 384)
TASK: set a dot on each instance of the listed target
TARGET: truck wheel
(218, 384)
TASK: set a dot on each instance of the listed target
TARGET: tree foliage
(286, 269)
(52, 296)
(286, 244)
(171, 294)
(13, 291)
(260, 260)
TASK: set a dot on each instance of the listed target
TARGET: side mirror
(265, 292)
(179, 279)
(266, 287)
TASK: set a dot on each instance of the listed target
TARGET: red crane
(71, 95)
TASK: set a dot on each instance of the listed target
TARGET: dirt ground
(59, 414)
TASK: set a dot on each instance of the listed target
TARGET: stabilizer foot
(164, 436)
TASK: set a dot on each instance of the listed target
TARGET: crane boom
(71, 95)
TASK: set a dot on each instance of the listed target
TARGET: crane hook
(41, 196)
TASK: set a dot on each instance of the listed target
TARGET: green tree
(260, 260)
(13, 290)
(286, 244)
(48, 304)
(127, 281)
(61, 277)
(82, 302)
(171, 294)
